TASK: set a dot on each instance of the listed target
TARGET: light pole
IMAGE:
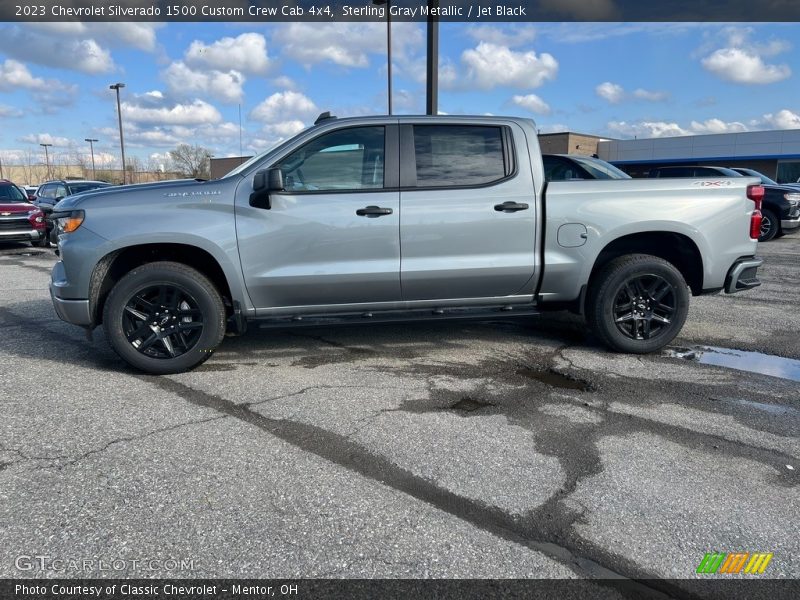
(388, 49)
(91, 149)
(117, 87)
(432, 79)
(47, 159)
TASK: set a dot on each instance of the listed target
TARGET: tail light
(756, 194)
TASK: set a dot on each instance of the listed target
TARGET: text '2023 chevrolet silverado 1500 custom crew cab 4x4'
(382, 218)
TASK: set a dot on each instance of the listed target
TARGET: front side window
(458, 155)
(61, 191)
(344, 160)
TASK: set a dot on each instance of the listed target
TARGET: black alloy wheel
(162, 321)
(644, 307)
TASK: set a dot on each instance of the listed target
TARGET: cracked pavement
(448, 450)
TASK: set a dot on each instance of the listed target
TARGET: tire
(637, 303)
(188, 318)
(769, 226)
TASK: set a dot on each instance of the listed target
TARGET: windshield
(11, 193)
(250, 162)
(600, 169)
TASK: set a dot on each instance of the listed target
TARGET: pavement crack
(132, 438)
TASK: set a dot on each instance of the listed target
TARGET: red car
(20, 221)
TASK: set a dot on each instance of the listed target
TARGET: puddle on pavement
(741, 360)
(468, 404)
(556, 379)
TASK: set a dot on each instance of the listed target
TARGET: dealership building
(776, 154)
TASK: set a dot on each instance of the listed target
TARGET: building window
(788, 171)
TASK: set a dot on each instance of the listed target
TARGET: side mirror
(265, 182)
(59, 198)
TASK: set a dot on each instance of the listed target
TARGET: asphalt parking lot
(442, 450)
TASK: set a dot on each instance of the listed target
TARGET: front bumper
(75, 311)
(71, 311)
(790, 224)
(22, 235)
(743, 275)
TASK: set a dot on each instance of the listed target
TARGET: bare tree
(191, 161)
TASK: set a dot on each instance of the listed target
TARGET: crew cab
(386, 218)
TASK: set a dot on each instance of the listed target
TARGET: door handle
(510, 206)
(373, 211)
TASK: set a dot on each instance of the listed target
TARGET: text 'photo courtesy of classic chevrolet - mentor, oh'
(388, 218)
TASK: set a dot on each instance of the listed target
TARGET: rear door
(333, 236)
(468, 219)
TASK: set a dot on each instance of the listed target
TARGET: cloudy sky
(186, 82)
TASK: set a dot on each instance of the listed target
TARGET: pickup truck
(396, 218)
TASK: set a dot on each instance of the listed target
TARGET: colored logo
(734, 562)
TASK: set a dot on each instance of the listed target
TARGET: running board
(397, 316)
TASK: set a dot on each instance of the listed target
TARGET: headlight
(67, 223)
(793, 198)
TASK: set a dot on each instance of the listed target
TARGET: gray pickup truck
(388, 218)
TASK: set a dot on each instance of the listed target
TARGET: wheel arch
(676, 248)
(116, 264)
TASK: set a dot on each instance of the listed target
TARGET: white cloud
(245, 53)
(489, 65)
(650, 96)
(284, 106)
(742, 61)
(511, 36)
(15, 75)
(532, 103)
(611, 92)
(615, 93)
(44, 138)
(224, 86)
(9, 112)
(743, 66)
(647, 129)
(345, 44)
(195, 113)
(717, 126)
(141, 36)
(284, 82)
(65, 52)
(783, 119)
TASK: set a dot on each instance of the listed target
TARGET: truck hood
(169, 189)
(16, 207)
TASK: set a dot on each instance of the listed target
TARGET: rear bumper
(743, 275)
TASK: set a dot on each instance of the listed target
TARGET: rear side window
(459, 155)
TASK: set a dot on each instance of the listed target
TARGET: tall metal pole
(388, 49)
(432, 79)
(117, 87)
(91, 149)
(47, 159)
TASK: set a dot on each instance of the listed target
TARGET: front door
(468, 223)
(332, 237)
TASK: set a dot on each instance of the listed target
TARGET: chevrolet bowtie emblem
(5, 214)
